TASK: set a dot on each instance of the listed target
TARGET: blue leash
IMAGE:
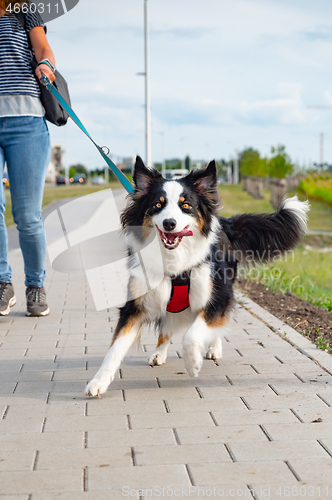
(116, 171)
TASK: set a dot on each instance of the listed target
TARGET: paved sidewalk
(260, 419)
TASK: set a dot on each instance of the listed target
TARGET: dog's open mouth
(172, 240)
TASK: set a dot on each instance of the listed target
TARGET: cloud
(282, 111)
(320, 33)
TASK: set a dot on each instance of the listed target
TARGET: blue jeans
(25, 146)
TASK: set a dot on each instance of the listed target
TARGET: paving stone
(132, 437)
(286, 432)
(82, 423)
(14, 497)
(305, 389)
(41, 441)
(113, 456)
(314, 471)
(10, 366)
(13, 482)
(26, 377)
(261, 379)
(277, 450)
(181, 454)
(180, 419)
(16, 460)
(303, 366)
(216, 404)
(287, 401)
(107, 494)
(138, 477)
(234, 391)
(183, 381)
(246, 472)
(176, 392)
(17, 412)
(106, 407)
(308, 415)
(245, 433)
(254, 417)
(26, 399)
(21, 425)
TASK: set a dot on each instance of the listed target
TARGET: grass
(320, 342)
(235, 201)
(296, 280)
(60, 192)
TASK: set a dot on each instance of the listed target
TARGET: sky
(225, 74)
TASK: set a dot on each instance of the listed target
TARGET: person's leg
(5, 270)
(7, 295)
(28, 152)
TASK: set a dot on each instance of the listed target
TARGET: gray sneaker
(7, 298)
(36, 301)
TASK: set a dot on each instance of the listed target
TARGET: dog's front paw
(193, 361)
(97, 386)
(214, 353)
(157, 359)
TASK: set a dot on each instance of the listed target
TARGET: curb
(287, 333)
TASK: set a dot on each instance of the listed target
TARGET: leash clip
(45, 81)
(107, 150)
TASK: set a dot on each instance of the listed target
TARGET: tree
(252, 164)
(280, 164)
(187, 163)
(77, 169)
(72, 171)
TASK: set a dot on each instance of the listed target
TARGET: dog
(200, 252)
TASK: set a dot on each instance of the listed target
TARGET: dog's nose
(169, 224)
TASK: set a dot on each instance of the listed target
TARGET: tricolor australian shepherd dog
(200, 253)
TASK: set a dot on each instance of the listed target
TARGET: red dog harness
(179, 300)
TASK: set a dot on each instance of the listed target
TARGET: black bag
(54, 112)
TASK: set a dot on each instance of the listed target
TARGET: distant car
(176, 173)
(60, 180)
(78, 179)
(98, 179)
(5, 181)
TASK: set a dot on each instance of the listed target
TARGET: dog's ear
(144, 177)
(205, 180)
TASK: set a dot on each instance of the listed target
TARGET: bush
(318, 187)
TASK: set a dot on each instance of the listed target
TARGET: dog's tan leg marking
(215, 348)
(123, 338)
(159, 356)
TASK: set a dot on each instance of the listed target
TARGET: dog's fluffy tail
(262, 237)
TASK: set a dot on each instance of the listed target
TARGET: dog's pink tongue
(172, 236)
(185, 232)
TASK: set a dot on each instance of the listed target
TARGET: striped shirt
(16, 75)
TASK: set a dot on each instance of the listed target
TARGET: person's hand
(43, 68)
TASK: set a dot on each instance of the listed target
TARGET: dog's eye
(185, 205)
(158, 205)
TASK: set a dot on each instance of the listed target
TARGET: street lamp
(148, 150)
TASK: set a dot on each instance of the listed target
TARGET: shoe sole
(11, 303)
(44, 313)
